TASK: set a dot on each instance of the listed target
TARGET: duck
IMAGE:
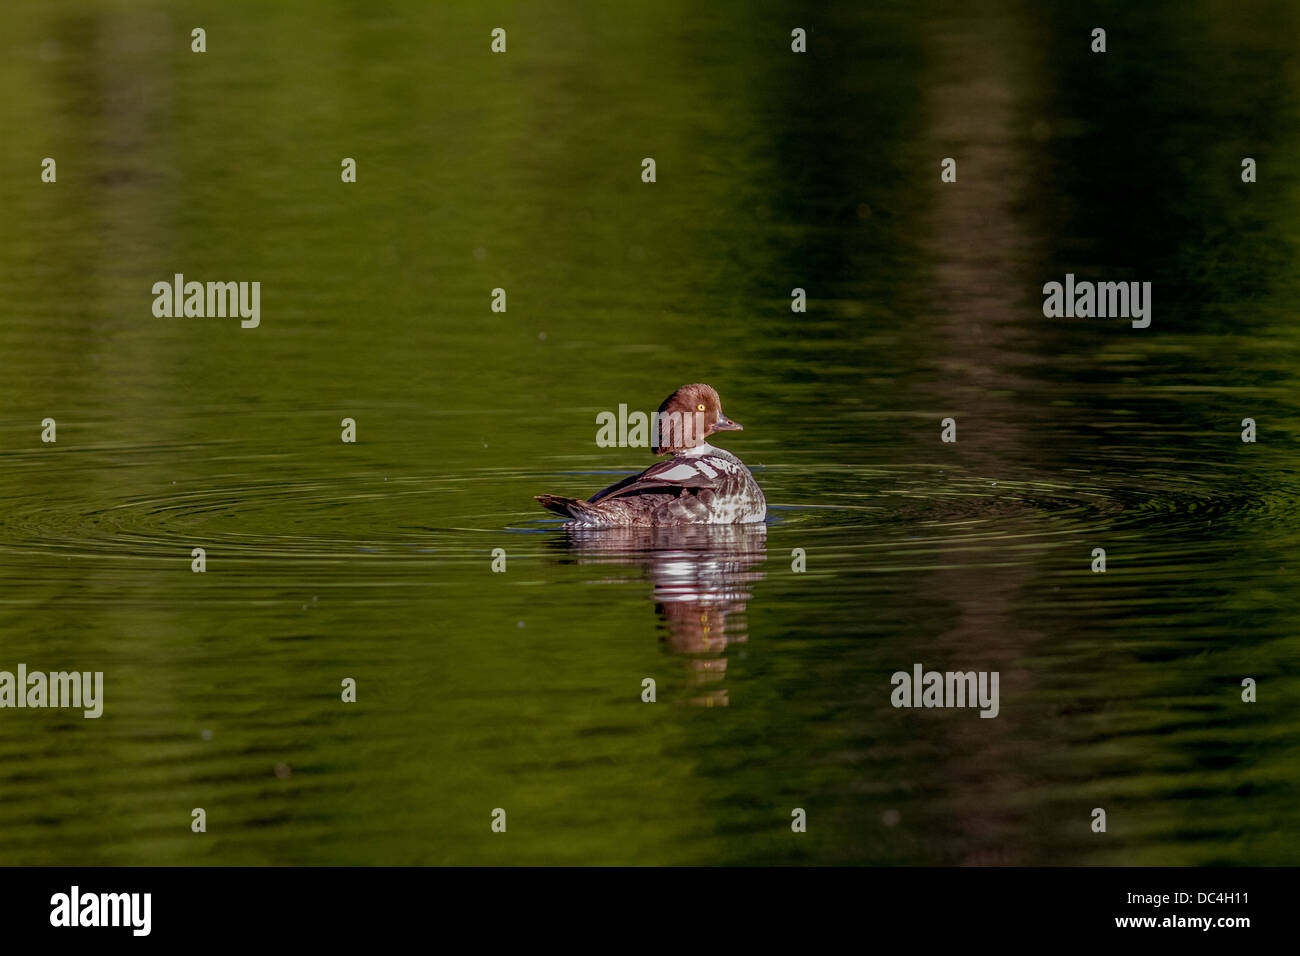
(698, 485)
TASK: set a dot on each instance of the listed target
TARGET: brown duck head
(688, 417)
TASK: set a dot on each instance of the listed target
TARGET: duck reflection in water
(701, 577)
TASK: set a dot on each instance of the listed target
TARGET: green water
(522, 690)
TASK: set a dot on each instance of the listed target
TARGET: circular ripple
(452, 514)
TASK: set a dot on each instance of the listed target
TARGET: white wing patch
(706, 469)
(680, 473)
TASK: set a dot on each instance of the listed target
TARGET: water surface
(523, 689)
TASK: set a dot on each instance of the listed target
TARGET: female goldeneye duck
(699, 484)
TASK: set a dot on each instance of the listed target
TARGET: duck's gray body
(702, 485)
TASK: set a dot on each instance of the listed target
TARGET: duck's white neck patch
(698, 450)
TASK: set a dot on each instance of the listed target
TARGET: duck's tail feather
(570, 507)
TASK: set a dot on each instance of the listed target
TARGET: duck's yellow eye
(699, 407)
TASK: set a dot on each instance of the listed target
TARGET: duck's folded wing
(675, 473)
